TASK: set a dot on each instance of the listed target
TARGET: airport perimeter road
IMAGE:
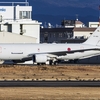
(49, 83)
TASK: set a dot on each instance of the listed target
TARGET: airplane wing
(62, 53)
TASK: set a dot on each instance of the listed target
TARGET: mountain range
(54, 11)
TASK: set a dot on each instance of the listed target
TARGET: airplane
(41, 53)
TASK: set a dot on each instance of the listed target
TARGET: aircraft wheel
(38, 64)
(43, 63)
(55, 63)
(50, 62)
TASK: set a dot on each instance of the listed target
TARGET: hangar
(7, 37)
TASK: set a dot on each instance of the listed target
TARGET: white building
(83, 32)
(17, 19)
(93, 24)
(78, 24)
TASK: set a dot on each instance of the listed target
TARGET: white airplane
(41, 53)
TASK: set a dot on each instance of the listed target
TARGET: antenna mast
(26, 3)
(76, 17)
(99, 15)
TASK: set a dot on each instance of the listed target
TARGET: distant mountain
(59, 7)
(54, 11)
(74, 3)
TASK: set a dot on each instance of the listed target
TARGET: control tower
(17, 18)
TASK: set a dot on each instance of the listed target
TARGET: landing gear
(55, 63)
(38, 64)
(51, 62)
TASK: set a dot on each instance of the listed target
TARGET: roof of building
(84, 29)
(73, 40)
(78, 22)
(56, 29)
(7, 37)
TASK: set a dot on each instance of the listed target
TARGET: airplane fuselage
(20, 51)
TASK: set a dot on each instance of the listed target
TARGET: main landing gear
(51, 62)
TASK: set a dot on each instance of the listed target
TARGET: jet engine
(40, 58)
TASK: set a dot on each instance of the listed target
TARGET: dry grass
(50, 93)
(50, 72)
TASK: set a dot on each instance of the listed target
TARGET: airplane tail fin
(94, 39)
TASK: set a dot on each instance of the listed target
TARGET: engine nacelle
(40, 58)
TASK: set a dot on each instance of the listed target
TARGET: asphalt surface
(49, 83)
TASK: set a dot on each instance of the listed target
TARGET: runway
(49, 83)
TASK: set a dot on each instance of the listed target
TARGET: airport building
(93, 24)
(17, 19)
(70, 31)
